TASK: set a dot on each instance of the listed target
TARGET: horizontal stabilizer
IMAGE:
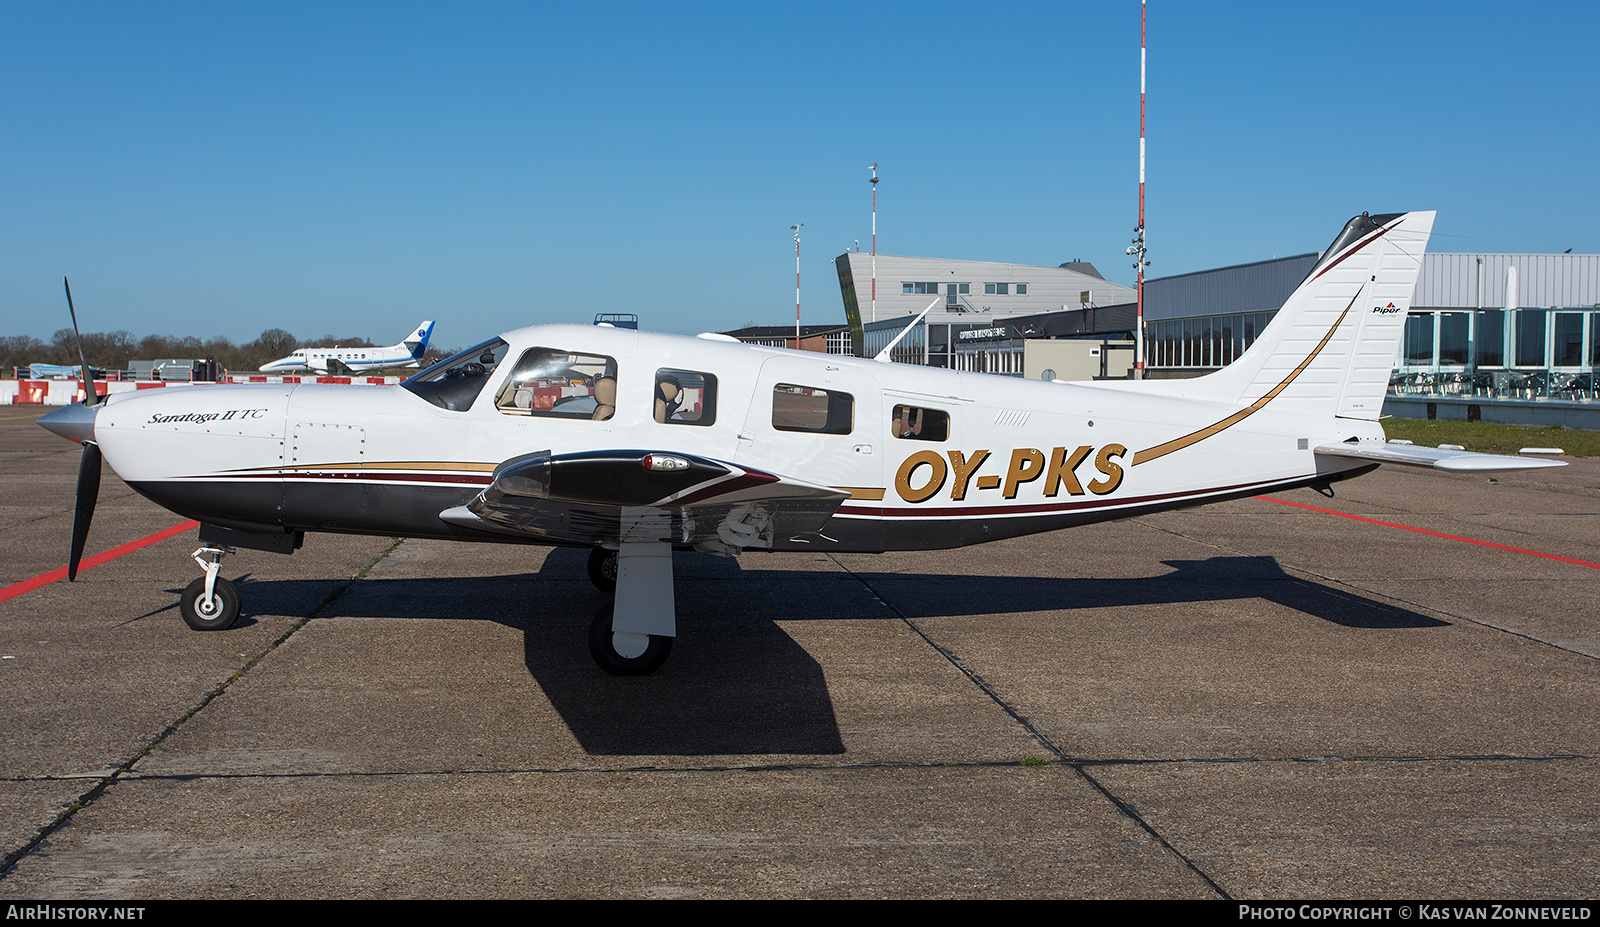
(1440, 458)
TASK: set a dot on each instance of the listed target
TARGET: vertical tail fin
(417, 343)
(1331, 348)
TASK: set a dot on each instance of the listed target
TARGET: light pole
(797, 229)
(874, 181)
(1137, 250)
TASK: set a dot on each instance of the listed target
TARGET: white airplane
(408, 353)
(635, 445)
(59, 372)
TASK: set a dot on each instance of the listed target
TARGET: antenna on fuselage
(884, 354)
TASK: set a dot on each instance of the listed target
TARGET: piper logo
(1386, 310)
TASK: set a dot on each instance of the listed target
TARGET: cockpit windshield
(456, 381)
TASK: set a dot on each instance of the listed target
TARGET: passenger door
(797, 424)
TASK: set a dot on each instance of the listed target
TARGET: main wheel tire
(603, 570)
(222, 611)
(605, 653)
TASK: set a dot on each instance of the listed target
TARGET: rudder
(1331, 348)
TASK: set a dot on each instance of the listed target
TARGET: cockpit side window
(456, 381)
(685, 397)
(554, 383)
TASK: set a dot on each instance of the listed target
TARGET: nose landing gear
(210, 603)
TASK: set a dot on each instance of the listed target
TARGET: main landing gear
(632, 635)
(210, 603)
(624, 653)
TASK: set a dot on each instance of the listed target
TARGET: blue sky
(351, 168)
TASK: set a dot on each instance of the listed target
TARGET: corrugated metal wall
(1446, 281)
(1243, 288)
(1451, 281)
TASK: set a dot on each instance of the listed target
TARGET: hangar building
(1512, 329)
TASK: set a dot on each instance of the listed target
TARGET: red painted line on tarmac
(1436, 534)
(45, 579)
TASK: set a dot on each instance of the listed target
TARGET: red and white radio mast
(797, 229)
(1138, 249)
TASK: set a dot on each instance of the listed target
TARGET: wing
(1440, 458)
(601, 497)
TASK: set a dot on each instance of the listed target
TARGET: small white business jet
(60, 372)
(635, 445)
(408, 353)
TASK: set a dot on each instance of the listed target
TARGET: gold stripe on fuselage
(1178, 444)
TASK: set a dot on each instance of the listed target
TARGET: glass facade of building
(912, 349)
(995, 356)
(1207, 342)
(1521, 354)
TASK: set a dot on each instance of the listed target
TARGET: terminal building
(973, 303)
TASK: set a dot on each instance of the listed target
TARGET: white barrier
(66, 392)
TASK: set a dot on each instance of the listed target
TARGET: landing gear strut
(210, 603)
(633, 635)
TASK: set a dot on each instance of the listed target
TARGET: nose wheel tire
(214, 615)
(621, 654)
(603, 570)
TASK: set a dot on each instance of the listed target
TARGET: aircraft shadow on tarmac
(1218, 579)
(737, 684)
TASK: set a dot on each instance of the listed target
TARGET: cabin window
(807, 408)
(684, 397)
(918, 424)
(553, 383)
(456, 381)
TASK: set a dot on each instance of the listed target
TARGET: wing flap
(589, 498)
(1439, 458)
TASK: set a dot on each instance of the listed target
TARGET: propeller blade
(90, 395)
(88, 494)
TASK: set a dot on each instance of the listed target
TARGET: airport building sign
(985, 334)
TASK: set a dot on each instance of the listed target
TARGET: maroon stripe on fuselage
(749, 479)
(478, 479)
(1047, 507)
